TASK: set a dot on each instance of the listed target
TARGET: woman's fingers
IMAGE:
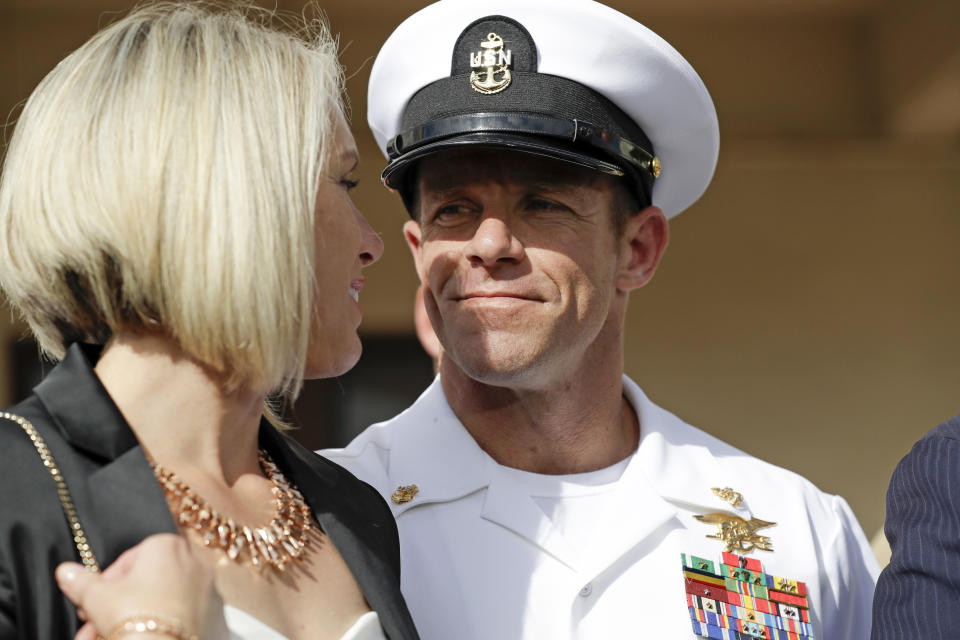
(74, 580)
(86, 632)
(121, 566)
(158, 577)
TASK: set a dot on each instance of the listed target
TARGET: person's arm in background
(918, 594)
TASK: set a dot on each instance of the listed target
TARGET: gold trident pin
(495, 61)
(738, 535)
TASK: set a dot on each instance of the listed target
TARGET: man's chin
(514, 370)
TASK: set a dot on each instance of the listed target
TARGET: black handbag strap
(69, 511)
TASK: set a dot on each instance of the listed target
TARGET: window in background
(26, 368)
(393, 371)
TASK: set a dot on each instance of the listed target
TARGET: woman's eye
(349, 184)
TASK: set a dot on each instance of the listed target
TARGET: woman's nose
(371, 244)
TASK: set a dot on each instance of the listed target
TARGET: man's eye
(450, 212)
(540, 204)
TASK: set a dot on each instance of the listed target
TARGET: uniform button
(587, 590)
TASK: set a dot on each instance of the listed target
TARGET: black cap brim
(394, 176)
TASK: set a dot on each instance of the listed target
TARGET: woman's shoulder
(325, 475)
(29, 438)
(34, 536)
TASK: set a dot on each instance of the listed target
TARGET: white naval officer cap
(572, 80)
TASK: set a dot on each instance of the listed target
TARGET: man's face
(520, 264)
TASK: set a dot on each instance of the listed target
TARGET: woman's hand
(157, 579)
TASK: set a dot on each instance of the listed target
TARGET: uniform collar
(454, 466)
(674, 457)
(678, 460)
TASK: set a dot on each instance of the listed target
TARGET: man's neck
(580, 425)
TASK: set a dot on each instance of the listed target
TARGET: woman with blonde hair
(176, 229)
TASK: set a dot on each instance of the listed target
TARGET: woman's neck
(177, 406)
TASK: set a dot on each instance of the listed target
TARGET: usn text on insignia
(491, 66)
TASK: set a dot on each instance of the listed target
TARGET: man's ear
(413, 235)
(641, 245)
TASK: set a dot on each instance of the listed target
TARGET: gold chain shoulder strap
(79, 536)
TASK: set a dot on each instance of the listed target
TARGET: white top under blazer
(243, 626)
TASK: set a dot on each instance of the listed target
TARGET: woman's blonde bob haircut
(163, 178)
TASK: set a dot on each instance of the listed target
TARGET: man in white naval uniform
(540, 147)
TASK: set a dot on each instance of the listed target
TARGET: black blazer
(918, 593)
(120, 503)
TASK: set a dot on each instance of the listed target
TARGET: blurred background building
(807, 310)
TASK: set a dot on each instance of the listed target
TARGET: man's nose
(493, 242)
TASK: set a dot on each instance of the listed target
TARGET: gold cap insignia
(404, 493)
(655, 167)
(494, 64)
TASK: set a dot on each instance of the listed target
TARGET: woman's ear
(641, 245)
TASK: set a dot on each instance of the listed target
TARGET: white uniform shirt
(484, 557)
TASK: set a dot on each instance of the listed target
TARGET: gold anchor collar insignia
(404, 493)
(491, 66)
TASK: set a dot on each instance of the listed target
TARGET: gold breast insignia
(728, 495)
(405, 493)
(737, 534)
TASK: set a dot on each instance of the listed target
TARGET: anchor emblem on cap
(495, 62)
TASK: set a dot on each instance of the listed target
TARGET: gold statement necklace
(277, 545)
